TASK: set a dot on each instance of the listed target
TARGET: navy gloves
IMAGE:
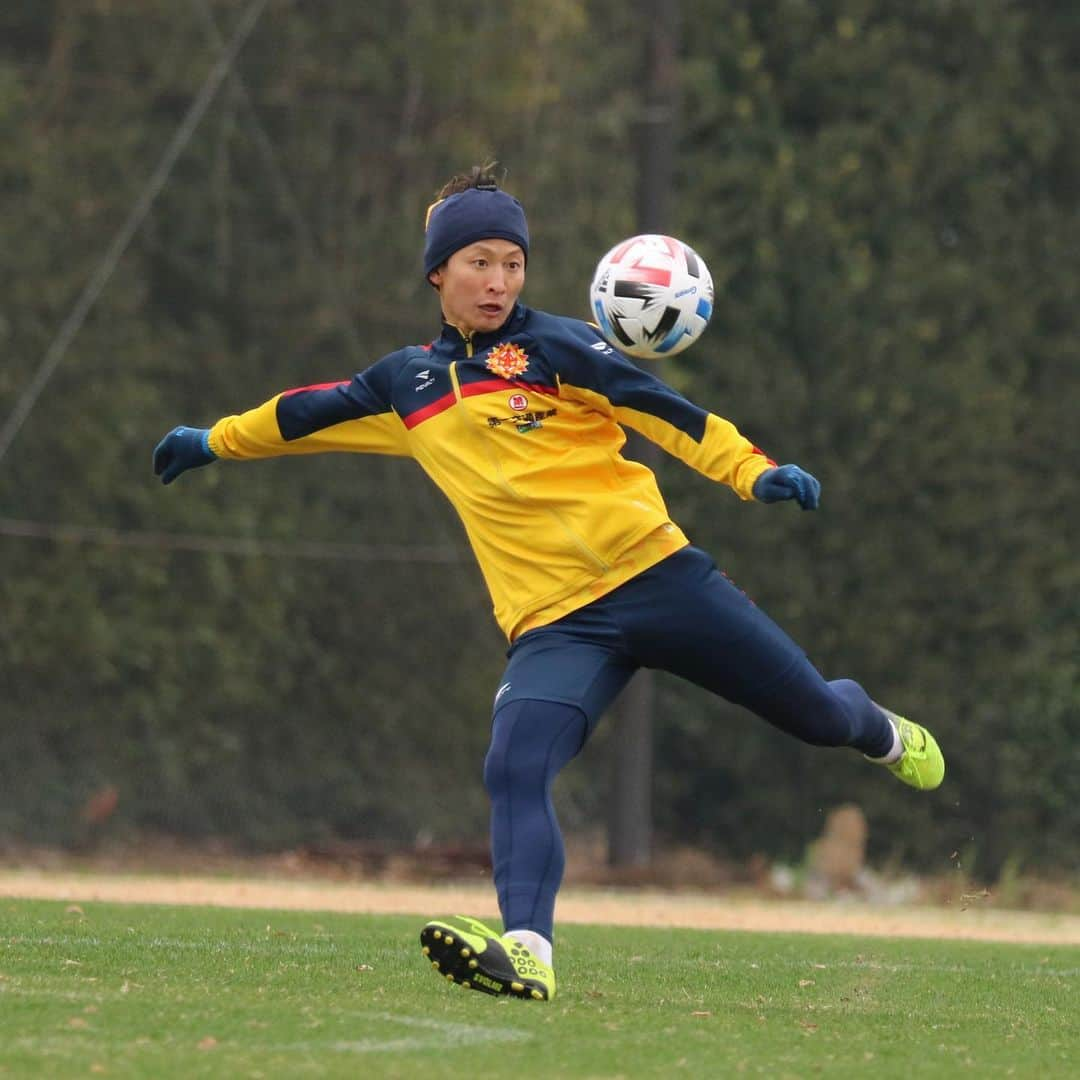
(182, 449)
(788, 482)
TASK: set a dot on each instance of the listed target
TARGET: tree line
(295, 651)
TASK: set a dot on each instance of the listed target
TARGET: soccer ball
(652, 296)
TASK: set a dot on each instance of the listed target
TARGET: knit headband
(474, 214)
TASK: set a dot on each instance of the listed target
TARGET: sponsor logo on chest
(524, 420)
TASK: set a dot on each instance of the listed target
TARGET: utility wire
(225, 545)
(289, 202)
(108, 537)
(100, 278)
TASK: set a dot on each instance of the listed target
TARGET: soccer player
(517, 415)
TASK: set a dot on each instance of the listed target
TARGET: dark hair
(479, 176)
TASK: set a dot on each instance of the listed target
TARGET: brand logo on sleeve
(423, 379)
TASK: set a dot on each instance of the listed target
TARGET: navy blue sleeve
(307, 409)
(582, 358)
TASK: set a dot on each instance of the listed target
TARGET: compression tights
(533, 740)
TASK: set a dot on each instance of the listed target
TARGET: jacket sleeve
(354, 416)
(591, 371)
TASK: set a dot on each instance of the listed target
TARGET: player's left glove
(788, 482)
(182, 449)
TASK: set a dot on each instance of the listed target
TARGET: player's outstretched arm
(351, 416)
(788, 482)
(182, 449)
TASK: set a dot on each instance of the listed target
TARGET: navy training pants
(681, 616)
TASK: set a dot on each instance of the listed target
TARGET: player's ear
(435, 278)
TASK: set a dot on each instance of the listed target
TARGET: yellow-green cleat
(466, 952)
(922, 764)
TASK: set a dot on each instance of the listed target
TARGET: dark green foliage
(887, 196)
(895, 215)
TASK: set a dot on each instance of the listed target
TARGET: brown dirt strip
(576, 905)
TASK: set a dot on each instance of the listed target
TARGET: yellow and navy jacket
(521, 430)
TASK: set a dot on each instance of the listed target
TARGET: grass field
(150, 991)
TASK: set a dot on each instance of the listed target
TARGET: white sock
(539, 946)
(896, 752)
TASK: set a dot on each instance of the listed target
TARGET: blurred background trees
(301, 651)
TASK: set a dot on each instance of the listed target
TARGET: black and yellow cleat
(466, 952)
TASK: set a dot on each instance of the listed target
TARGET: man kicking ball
(517, 415)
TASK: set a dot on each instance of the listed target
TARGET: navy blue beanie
(470, 215)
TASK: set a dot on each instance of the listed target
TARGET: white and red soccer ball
(652, 296)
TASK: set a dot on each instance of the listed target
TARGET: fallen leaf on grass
(806, 982)
(701, 1012)
(207, 1044)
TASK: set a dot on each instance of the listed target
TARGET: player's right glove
(788, 482)
(182, 449)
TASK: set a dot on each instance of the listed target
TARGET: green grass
(144, 991)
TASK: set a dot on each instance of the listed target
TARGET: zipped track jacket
(521, 430)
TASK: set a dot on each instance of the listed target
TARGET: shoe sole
(455, 956)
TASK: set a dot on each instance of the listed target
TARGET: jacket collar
(452, 341)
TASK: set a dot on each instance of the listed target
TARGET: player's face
(480, 284)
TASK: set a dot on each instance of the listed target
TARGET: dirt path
(622, 907)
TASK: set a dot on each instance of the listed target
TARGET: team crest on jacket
(507, 360)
